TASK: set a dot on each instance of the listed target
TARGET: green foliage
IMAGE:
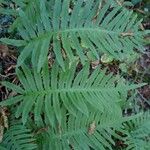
(48, 91)
(97, 131)
(18, 137)
(68, 26)
(94, 132)
(139, 132)
(66, 106)
(71, 101)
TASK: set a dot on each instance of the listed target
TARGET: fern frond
(138, 132)
(97, 131)
(2, 147)
(108, 29)
(48, 91)
(17, 136)
(11, 11)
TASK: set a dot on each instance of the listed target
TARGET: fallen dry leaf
(92, 128)
(3, 121)
(4, 51)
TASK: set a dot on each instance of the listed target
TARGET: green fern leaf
(97, 131)
(112, 30)
(47, 92)
(2, 148)
(17, 136)
(138, 132)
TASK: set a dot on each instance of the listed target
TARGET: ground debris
(3, 121)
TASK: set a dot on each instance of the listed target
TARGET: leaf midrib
(72, 90)
(59, 32)
(80, 89)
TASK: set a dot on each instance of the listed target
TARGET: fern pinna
(138, 132)
(18, 136)
(65, 107)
